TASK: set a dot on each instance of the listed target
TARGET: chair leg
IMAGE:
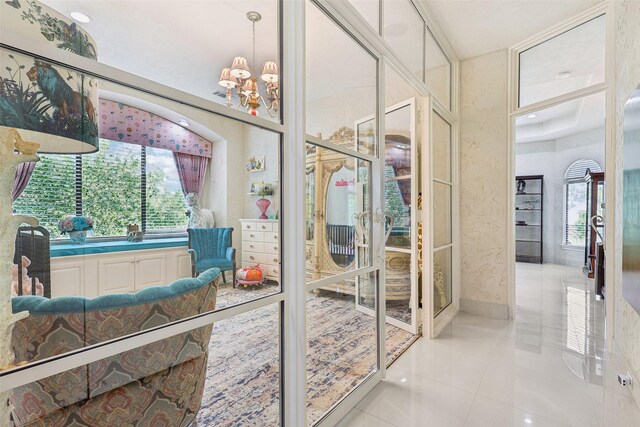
(224, 278)
(234, 277)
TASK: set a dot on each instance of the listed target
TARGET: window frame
(79, 206)
(589, 164)
(565, 222)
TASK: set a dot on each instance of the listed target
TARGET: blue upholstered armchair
(211, 247)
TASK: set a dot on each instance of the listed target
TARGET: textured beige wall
(627, 78)
(484, 179)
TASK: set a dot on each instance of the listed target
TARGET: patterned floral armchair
(157, 384)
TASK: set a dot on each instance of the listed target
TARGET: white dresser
(261, 245)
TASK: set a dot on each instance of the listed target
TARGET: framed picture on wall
(255, 164)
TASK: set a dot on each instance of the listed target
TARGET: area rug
(243, 377)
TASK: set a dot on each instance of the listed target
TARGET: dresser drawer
(249, 226)
(252, 236)
(272, 271)
(260, 258)
(253, 246)
(251, 257)
(271, 237)
(271, 248)
(264, 226)
(276, 227)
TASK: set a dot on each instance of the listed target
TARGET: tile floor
(547, 368)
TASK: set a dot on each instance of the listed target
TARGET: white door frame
(610, 149)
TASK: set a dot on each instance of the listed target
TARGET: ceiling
(476, 27)
(562, 120)
(140, 37)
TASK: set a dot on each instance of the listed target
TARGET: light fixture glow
(528, 421)
(245, 83)
(80, 17)
(531, 116)
(563, 75)
(184, 123)
(403, 380)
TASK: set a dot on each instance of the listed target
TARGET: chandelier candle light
(239, 77)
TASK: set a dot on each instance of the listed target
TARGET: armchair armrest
(194, 255)
(231, 254)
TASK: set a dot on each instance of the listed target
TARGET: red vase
(263, 204)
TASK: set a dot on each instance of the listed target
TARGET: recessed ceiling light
(395, 29)
(563, 75)
(531, 116)
(184, 123)
(403, 380)
(528, 420)
(80, 17)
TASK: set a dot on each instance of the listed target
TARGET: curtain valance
(121, 122)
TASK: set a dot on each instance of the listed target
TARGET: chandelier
(239, 77)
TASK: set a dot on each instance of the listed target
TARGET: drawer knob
(275, 248)
(248, 226)
(275, 260)
(275, 271)
(251, 235)
(275, 237)
(263, 227)
(251, 246)
(251, 257)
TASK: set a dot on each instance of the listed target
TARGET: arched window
(575, 201)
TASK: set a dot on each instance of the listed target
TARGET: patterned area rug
(243, 376)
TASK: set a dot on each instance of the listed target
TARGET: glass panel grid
(565, 63)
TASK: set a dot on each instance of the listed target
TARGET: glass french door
(401, 194)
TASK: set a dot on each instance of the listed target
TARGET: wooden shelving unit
(529, 218)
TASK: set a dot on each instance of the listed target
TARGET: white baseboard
(485, 309)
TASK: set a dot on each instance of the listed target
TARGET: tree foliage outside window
(575, 203)
(109, 188)
(576, 214)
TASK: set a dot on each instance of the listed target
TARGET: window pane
(570, 61)
(341, 343)
(442, 280)
(404, 30)
(396, 88)
(243, 373)
(370, 10)
(576, 219)
(441, 214)
(341, 84)
(398, 136)
(114, 39)
(441, 148)
(437, 74)
(165, 201)
(88, 275)
(111, 192)
(340, 222)
(50, 195)
(141, 386)
(397, 193)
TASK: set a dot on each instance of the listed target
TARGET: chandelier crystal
(239, 78)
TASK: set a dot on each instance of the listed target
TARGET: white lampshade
(270, 72)
(226, 79)
(240, 68)
(248, 87)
